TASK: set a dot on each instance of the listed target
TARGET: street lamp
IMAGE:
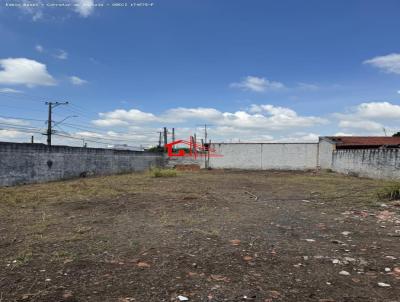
(55, 124)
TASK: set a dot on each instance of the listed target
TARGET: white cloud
(389, 63)
(77, 81)
(7, 134)
(61, 54)
(298, 137)
(268, 117)
(363, 125)
(109, 122)
(182, 114)
(9, 90)
(132, 115)
(231, 134)
(121, 117)
(370, 118)
(379, 110)
(343, 134)
(84, 7)
(90, 134)
(13, 121)
(307, 87)
(257, 84)
(25, 72)
(39, 48)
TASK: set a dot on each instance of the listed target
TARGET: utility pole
(49, 121)
(173, 138)
(159, 139)
(32, 139)
(195, 145)
(208, 155)
(165, 139)
(191, 145)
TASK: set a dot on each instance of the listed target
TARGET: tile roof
(346, 142)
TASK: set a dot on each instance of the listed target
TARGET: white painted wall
(325, 154)
(264, 156)
(237, 156)
(373, 163)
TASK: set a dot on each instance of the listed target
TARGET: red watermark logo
(181, 148)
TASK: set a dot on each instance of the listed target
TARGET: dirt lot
(206, 236)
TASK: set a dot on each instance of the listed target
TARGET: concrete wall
(31, 163)
(325, 154)
(171, 162)
(373, 163)
(264, 156)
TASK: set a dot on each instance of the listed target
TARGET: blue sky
(254, 70)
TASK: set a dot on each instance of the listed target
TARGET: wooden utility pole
(49, 120)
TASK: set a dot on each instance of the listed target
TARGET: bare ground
(207, 236)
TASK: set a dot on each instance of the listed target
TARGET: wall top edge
(59, 148)
(264, 143)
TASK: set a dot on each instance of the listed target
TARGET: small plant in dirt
(158, 172)
(389, 193)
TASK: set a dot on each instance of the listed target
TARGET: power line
(81, 139)
(85, 113)
(108, 138)
(23, 130)
(51, 106)
(87, 128)
(85, 139)
(70, 125)
(21, 118)
(81, 113)
(17, 126)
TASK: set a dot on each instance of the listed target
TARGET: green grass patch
(157, 172)
(391, 192)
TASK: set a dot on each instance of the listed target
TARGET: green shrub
(391, 192)
(158, 172)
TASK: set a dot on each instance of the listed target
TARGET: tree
(396, 134)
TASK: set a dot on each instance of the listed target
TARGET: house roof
(354, 142)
